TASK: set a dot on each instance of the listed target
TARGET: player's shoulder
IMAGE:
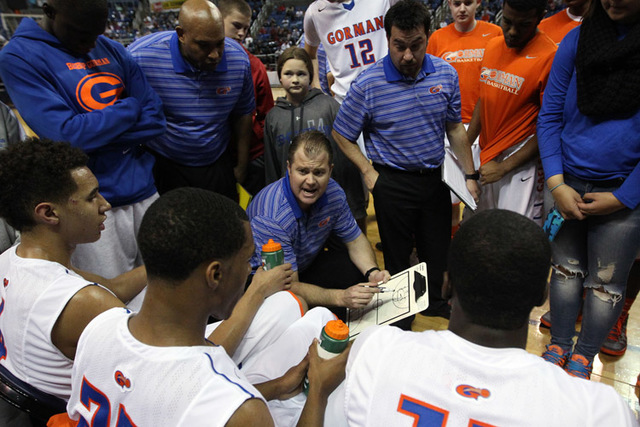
(154, 40)
(488, 27)
(542, 45)
(496, 43)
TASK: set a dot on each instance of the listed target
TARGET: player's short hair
(407, 15)
(227, 7)
(313, 142)
(526, 5)
(35, 171)
(499, 263)
(295, 53)
(88, 8)
(186, 227)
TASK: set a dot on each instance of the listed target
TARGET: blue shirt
(587, 148)
(197, 104)
(275, 214)
(100, 102)
(403, 120)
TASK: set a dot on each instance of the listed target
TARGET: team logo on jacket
(122, 380)
(99, 90)
(471, 392)
(223, 90)
(435, 89)
(324, 222)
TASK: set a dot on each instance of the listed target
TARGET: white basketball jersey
(33, 294)
(397, 378)
(353, 36)
(118, 378)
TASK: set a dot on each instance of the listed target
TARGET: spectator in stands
(237, 19)
(204, 81)
(69, 83)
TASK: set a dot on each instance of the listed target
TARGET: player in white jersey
(477, 373)
(52, 198)
(155, 367)
(352, 33)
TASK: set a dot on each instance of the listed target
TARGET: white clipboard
(407, 294)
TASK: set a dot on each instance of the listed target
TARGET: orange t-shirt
(511, 87)
(464, 51)
(557, 26)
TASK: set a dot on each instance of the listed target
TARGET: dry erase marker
(382, 289)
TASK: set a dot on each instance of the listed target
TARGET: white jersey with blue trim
(353, 36)
(119, 381)
(436, 378)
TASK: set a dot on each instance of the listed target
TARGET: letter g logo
(99, 90)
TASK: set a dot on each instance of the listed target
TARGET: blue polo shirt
(403, 120)
(197, 104)
(275, 214)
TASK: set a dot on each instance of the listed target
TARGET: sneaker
(556, 355)
(616, 342)
(545, 319)
(579, 366)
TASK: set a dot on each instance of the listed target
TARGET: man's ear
(46, 213)
(447, 291)
(48, 10)
(180, 33)
(213, 274)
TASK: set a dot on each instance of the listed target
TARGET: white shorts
(277, 339)
(116, 251)
(519, 190)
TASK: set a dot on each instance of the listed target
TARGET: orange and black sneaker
(579, 366)
(556, 355)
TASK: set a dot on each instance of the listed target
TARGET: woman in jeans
(589, 139)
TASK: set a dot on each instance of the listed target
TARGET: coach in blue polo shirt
(301, 211)
(204, 81)
(403, 105)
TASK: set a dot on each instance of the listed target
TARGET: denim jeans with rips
(591, 257)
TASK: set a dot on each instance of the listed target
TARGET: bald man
(205, 84)
(70, 83)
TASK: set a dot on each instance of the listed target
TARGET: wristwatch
(474, 176)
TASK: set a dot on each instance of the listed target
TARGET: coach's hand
(358, 296)
(271, 281)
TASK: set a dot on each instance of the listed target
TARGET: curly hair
(35, 171)
(499, 262)
(186, 227)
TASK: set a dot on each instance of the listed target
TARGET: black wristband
(369, 271)
(474, 176)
